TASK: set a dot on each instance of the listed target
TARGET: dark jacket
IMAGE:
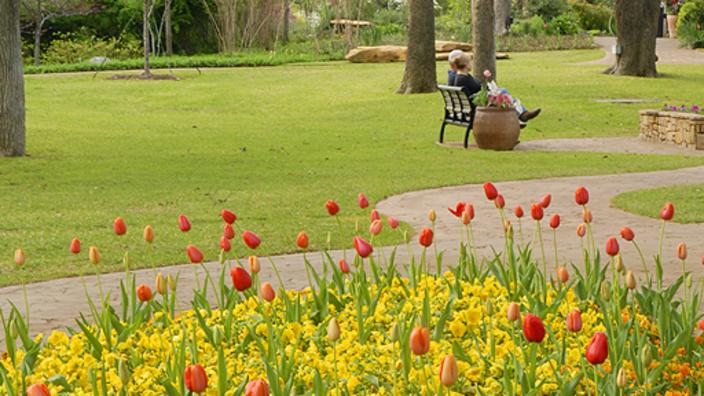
(469, 85)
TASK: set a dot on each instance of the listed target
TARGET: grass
(270, 141)
(686, 198)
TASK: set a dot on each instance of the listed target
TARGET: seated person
(470, 86)
(453, 69)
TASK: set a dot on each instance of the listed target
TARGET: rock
(444, 55)
(99, 60)
(447, 46)
(502, 55)
(380, 54)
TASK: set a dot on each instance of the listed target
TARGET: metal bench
(459, 110)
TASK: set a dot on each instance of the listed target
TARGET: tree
(502, 12)
(146, 11)
(11, 80)
(168, 31)
(483, 45)
(636, 32)
(40, 11)
(419, 75)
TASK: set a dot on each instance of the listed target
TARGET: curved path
(668, 51)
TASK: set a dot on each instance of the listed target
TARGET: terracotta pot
(495, 128)
(672, 26)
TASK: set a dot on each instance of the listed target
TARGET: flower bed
(495, 325)
(681, 127)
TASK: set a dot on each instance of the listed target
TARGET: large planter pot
(672, 26)
(495, 128)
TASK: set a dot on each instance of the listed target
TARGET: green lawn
(274, 144)
(687, 199)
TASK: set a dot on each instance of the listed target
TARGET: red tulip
(374, 215)
(258, 387)
(362, 201)
(228, 216)
(490, 191)
(194, 254)
(426, 237)
(448, 370)
(144, 293)
(344, 267)
(420, 340)
(225, 244)
(667, 212)
(499, 202)
(375, 227)
(183, 223)
(458, 209)
(364, 249)
(302, 240)
(469, 209)
(195, 378)
(38, 390)
(240, 278)
(555, 221)
(701, 325)
(75, 246)
(268, 293)
(533, 328)
(612, 246)
(598, 349)
(536, 212)
(393, 223)
(545, 202)
(119, 226)
(581, 196)
(518, 211)
(332, 206)
(251, 239)
(581, 230)
(228, 232)
(562, 274)
(574, 321)
(627, 234)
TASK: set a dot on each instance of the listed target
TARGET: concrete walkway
(668, 51)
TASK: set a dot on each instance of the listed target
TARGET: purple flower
(673, 108)
(683, 108)
(695, 109)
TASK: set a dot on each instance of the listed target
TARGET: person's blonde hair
(463, 61)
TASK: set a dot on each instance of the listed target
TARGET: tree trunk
(287, 16)
(145, 38)
(168, 32)
(37, 41)
(502, 12)
(11, 81)
(484, 48)
(636, 32)
(420, 75)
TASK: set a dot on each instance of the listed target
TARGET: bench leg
(466, 136)
(442, 131)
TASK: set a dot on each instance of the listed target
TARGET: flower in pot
(672, 9)
(496, 125)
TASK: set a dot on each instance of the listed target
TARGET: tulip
(499, 202)
(228, 216)
(332, 207)
(630, 280)
(627, 234)
(75, 247)
(148, 234)
(459, 208)
(364, 249)
(251, 239)
(19, 257)
(426, 237)
(555, 221)
(682, 251)
(646, 356)
(466, 219)
(160, 283)
(38, 390)
(518, 211)
(144, 293)
(490, 191)
(194, 254)
(228, 231)
(612, 246)
(375, 227)
(448, 370)
(171, 282)
(333, 330)
(258, 387)
(374, 215)
(536, 212)
(605, 290)
(432, 216)
(420, 340)
(545, 201)
(94, 255)
(268, 293)
(562, 274)
(533, 328)
(598, 349)
(621, 378)
(581, 230)
(587, 216)
(225, 244)
(183, 223)
(240, 278)
(195, 379)
(344, 267)
(701, 325)
(513, 313)
(119, 226)
(581, 196)
(362, 201)
(124, 372)
(254, 264)
(469, 209)
(574, 321)
(393, 223)
(618, 263)
(667, 212)
(302, 240)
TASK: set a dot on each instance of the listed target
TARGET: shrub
(592, 16)
(690, 24)
(564, 24)
(534, 26)
(547, 9)
(543, 43)
(72, 48)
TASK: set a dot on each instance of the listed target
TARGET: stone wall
(682, 129)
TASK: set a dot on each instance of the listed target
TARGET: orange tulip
(302, 240)
(448, 370)
(268, 293)
(228, 216)
(94, 255)
(119, 226)
(581, 230)
(682, 251)
(499, 202)
(574, 321)
(19, 257)
(513, 313)
(75, 247)
(144, 293)
(518, 211)
(194, 254)
(420, 340)
(258, 387)
(38, 390)
(183, 223)
(149, 234)
(587, 216)
(562, 274)
(254, 264)
(195, 379)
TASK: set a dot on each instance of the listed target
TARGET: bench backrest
(458, 106)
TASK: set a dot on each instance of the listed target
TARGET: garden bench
(459, 110)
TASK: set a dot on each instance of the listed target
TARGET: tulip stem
(596, 382)
(334, 368)
(520, 230)
(554, 242)
(642, 259)
(339, 226)
(212, 284)
(276, 271)
(26, 302)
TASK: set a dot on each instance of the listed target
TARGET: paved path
(667, 49)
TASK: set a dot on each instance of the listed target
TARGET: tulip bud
(332, 207)
(581, 196)
(364, 249)
(545, 201)
(618, 264)
(374, 215)
(587, 216)
(302, 240)
(490, 191)
(612, 246)
(119, 226)
(94, 255)
(225, 244)
(667, 212)
(362, 201)
(228, 232)
(240, 278)
(183, 223)
(19, 257)
(375, 227)
(536, 212)
(432, 216)
(605, 291)
(75, 247)
(171, 282)
(627, 234)
(426, 237)
(161, 284)
(513, 313)
(630, 280)
(393, 223)
(646, 356)
(420, 341)
(394, 332)
(258, 387)
(621, 378)
(144, 293)
(254, 265)
(682, 251)
(148, 234)
(574, 321)
(344, 267)
(195, 378)
(562, 274)
(555, 221)
(333, 330)
(500, 202)
(508, 228)
(38, 390)
(124, 372)
(228, 216)
(518, 211)
(268, 293)
(448, 370)
(581, 230)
